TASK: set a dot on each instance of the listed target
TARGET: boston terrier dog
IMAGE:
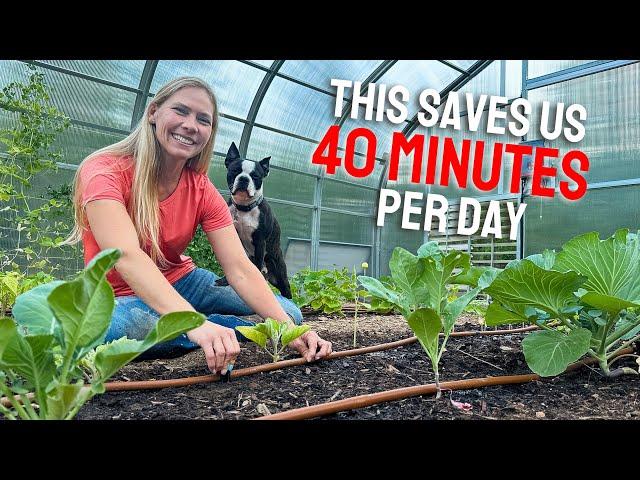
(255, 223)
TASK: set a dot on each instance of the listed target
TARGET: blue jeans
(222, 305)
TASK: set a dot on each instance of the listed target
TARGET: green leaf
(8, 329)
(84, 306)
(32, 311)
(549, 352)
(31, 358)
(406, 271)
(607, 302)
(316, 304)
(612, 267)
(544, 260)
(426, 325)
(9, 282)
(498, 315)
(472, 275)
(115, 355)
(254, 335)
(170, 325)
(452, 311)
(430, 249)
(436, 275)
(292, 333)
(64, 398)
(272, 327)
(377, 289)
(624, 323)
(525, 284)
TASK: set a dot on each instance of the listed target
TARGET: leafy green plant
(328, 290)
(585, 298)
(477, 306)
(422, 296)
(67, 321)
(200, 252)
(14, 283)
(323, 290)
(380, 305)
(28, 152)
(277, 334)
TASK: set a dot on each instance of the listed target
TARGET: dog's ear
(264, 163)
(232, 154)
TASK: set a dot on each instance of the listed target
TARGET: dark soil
(584, 394)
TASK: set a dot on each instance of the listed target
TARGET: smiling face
(183, 123)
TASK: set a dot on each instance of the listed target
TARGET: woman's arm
(112, 228)
(252, 287)
(243, 275)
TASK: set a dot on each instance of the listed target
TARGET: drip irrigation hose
(361, 401)
(267, 367)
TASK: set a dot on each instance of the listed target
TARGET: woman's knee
(291, 309)
(131, 318)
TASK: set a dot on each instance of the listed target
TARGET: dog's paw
(222, 282)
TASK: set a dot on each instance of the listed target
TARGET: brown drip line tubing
(361, 401)
(267, 367)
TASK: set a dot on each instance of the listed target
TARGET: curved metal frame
(146, 79)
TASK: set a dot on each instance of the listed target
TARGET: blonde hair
(143, 146)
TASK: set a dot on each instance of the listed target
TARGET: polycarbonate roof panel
(371, 180)
(235, 84)
(297, 109)
(284, 150)
(464, 64)
(12, 71)
(382, 130)
(78, 141)
(418, 75)
(228, 131)
(125, 72)
(486, 82)
(320, 72)
(513, 78)
(91, 102)
(538, 68)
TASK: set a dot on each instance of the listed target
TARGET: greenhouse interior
(458, 195)
(281, 109)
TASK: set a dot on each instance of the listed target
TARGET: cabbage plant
(585, 298)
(422, 296)
(66, 321)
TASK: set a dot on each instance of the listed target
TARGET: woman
(146, 195)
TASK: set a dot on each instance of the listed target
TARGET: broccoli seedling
(277, 334)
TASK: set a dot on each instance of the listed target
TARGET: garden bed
(584, 394)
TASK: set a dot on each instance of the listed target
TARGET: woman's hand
(308, 343)
(219, 343)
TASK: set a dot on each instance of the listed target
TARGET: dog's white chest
(246, 223)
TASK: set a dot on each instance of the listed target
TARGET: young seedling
(356, 299)
(422, 295)
(585, 298)
(278, 334)
(66, 321)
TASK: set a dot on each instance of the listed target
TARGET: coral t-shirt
(195, 201)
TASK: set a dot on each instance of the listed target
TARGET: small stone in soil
(540, 415)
